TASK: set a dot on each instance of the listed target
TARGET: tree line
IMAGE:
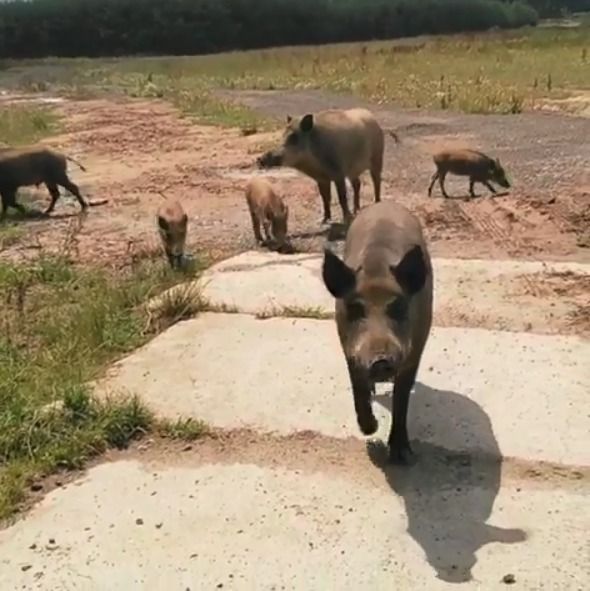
(93, 28)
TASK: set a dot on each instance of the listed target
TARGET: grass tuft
(26, 125)
(314, 312)
(184, 429)
(60, 326)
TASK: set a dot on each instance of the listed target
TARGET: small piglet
(476, 165)
(172, 226)
(268, 209)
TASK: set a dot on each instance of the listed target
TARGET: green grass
(26, 125)
(60, 327)
(503, 72)
(9, 235)
(184, 429)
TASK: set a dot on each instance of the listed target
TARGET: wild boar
(383, 291)
(268, 209)
(331, 146)
(172, 226)
(25, 167)
(476, 165)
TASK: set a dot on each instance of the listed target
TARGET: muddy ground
(135, 149)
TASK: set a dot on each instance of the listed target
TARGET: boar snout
(383, 368)
(270, 159)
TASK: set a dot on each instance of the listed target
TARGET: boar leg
(9, 200)
(74, 190)
(54, 192)
(266, 227)
(399, 444)
(361, 391)
(326, 194)
(256, 226)
(4, 206)
(432, 181)
(356, 187)
(441, 182)
(376, 178)
(490, 187)
(471, 186)
(341, 189)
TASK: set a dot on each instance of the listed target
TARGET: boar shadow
(448, 494)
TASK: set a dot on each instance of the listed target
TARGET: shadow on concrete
(448, 494)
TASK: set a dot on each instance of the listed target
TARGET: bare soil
(135, 149)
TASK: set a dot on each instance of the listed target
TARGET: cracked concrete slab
(511, 394)
(505, 295)
(128, 526)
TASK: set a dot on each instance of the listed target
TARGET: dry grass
(314, 312)
(504, 72)
(61, 326)
(26, 125)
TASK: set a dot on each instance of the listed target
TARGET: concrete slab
(243, 527)
(505, 295)
(498, 393)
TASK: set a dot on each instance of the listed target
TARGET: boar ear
(338, 277)
(162, 223)
(306, 124)
(289, 119)
(411, 271)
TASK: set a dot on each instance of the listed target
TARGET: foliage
(93, 28)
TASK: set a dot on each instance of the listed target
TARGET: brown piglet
(463, 162)
(269, 210)
(172, 227)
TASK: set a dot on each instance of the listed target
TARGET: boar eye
(398, 309)
(292, 139)
(355, 311)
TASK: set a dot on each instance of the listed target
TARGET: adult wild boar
(476, 165)
(331, 146)
(383, 291)
(25, 167)
(267, 208)
(172, 226)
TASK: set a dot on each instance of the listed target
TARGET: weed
(60, 326)
(180, 302)
(9, 235)
(185, 429)
(26, 125)
(315, 312)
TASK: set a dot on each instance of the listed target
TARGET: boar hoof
(368, 425)
(401, 455)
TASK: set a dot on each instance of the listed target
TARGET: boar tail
(76, 163)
